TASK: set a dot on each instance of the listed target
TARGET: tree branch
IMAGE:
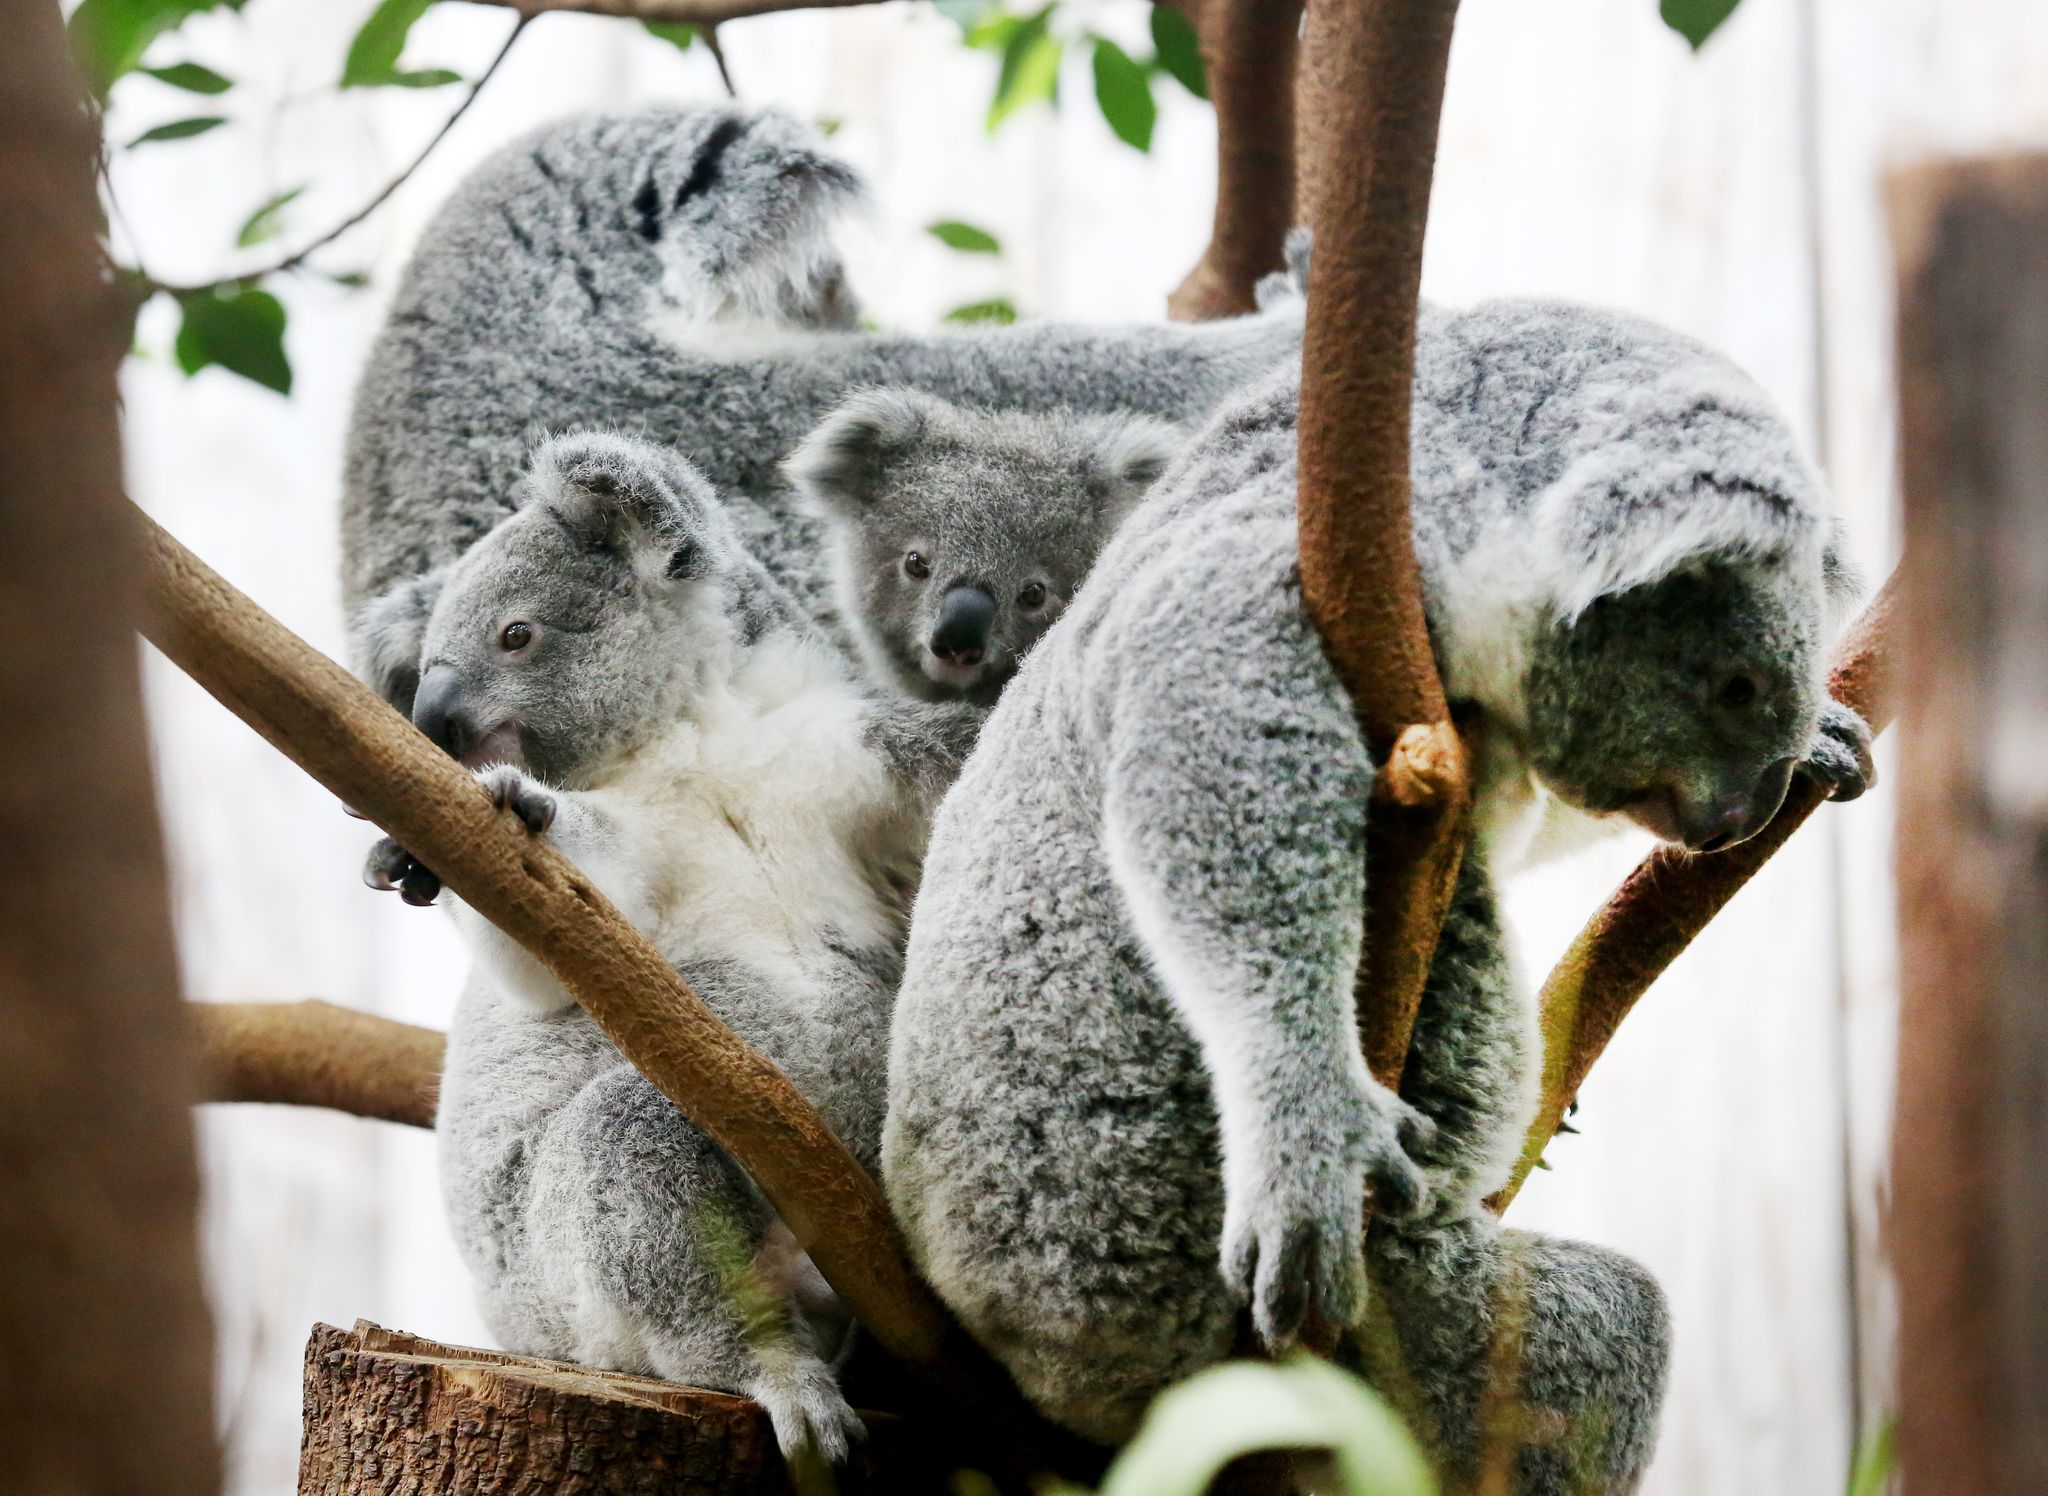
(683, 12)
(1669, 899)
(317, 1054)
(352, 742)
(1248, 50)
(1372, 91)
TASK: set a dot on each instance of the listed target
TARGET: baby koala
(625, 676)
(944, 578)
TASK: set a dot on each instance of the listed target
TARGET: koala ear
(1843, 577)
(1127, 460)
(617, 493)
(844, 464)
(387, 635)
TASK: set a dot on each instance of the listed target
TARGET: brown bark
(98, 1184)
(1969, 1221)
(316, 1054)
(1665, 903)
(1372, 91)
(1248, 51)
(352, 742)
(387, 1413)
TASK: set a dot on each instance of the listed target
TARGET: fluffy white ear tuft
(619, 492)
(844, 464)
(1129, 455)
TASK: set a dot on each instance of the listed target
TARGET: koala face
(962, 534)
(587, 617)
(1684, 704)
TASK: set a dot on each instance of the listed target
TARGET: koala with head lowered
(1126, 1089)
(961, 534)
(668, 272)
(623, 674)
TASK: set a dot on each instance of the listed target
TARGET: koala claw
(808, 1411)
(1841, 757)
(389, 866)
(526, 798)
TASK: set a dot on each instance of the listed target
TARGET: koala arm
(1234, 798)
(922, 743)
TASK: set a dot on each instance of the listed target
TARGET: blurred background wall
(1734, 1137)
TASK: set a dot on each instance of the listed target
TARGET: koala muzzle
(438, 710)
(1733, 818)
(966, 614)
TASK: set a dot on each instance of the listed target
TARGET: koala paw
(526, 798)
(390, 867)
(1841, 758)
(1293, 1242)
(809, 1413)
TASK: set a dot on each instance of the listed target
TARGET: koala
(960, 535)
(667, 272)
(628, 679)
(1126, 1095)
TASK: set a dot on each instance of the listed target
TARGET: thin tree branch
(299, 257)
(1669, 899)
(717, 51)
(683, 12)
(1248, 51)
(1372, 91)
(353, 743)
(317, 1054)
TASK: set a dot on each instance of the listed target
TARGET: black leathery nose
(966, 614)
(437, 711)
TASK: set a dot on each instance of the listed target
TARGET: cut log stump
(392, 1414)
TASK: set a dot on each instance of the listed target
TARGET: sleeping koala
(959, 535)
(1125, 1053)
(623, 674)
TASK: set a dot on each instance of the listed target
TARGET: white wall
(1734, 1136)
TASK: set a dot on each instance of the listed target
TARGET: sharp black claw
(1567, 1127)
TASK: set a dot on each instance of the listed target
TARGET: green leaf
(191, 77)
(179, 129)
(349, 280)
(108, 37)
(373, 55)
(1200, 1425)
(423, 78)
(1696, 20)
(265, 223)
(1875, 1461)
(997, 309)
(1030, 71)
(1124, 90)
(677, 33)
(241, 331)
(1180, 51)
(964, 237)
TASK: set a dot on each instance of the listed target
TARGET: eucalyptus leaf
(373, 55)
(265, 223)
(676, 33)
(999, 310)
(178, 129)
(1030, 70)
(191, 77)
(108, 37)
(1696, 20)
(241, 331)
(423, 78)
(1124, 90)
(964, 237)
(1180, 51)
(1875, 1461)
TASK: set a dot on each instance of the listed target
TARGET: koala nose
(966, 613)
(1738, 817)
(438, 712)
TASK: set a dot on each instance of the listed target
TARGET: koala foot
(809, 1412)
(511, 789)
(390, 867)
(1841, 758)
(1293, 1243)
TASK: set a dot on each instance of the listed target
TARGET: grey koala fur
(1124, 1050)
(667, 272)
(624, 675)
(959, 535)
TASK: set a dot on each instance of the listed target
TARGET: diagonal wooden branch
(352, 742)
(1372, 92)
(1669, 899)
(317, 1054)
(1248, 51)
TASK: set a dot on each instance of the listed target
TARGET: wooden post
(98, 1184)
(1969, 1225)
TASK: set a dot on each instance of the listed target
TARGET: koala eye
(517, 635)
(915, 565)
(1737, 691)
(1032, 597)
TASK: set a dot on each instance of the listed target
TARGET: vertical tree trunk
(1970, 1214)
(105, 1350)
